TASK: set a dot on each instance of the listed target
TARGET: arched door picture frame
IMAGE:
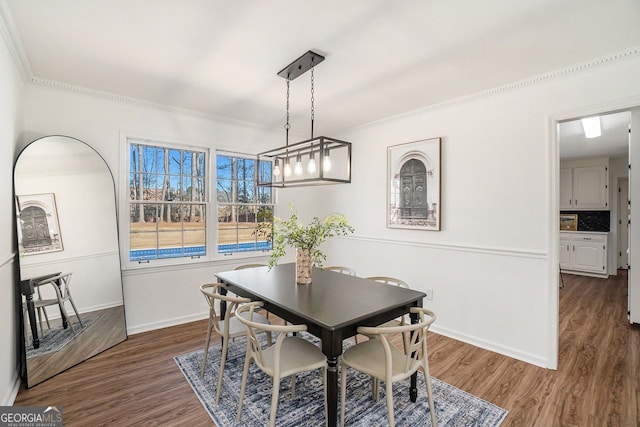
(413, 181)
(39, 230)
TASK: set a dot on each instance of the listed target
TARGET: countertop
(584, 232)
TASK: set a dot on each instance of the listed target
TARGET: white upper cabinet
(584, 186)
(566, 189)
(590, 187)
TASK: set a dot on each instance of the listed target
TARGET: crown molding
(9, 33)
(81, 90)
(519, 84)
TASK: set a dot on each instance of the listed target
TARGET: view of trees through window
(242, 205)
(167, 202)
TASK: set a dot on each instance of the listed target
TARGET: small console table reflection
(28, 288)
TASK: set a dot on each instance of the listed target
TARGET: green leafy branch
(293, 232)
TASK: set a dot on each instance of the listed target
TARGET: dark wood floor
(138, 383)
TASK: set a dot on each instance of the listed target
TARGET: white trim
(521, 253)
(553, 176)
(75, 259)
(125, 99)
(10, 259)
(519, 84)
(146, 327)
(12, 40)
(10, 396)
(490, 345)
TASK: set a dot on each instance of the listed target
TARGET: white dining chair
(339, 269)
(60, 284)
(288, 356)
(228, 329)
(383, 361)
(392, 281)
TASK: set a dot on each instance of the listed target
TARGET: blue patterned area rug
(454, 407)
(57, 337)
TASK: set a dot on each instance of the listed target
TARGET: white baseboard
(492, 346)
(132, 330)
(10, 396)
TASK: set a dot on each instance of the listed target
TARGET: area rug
(57, 337)
(454, 407)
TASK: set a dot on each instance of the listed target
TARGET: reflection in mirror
(71, 287)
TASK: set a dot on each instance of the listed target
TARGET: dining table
(28, 288)
(332, 306)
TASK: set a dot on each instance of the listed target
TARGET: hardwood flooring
(138, 383)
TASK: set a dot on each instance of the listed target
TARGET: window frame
(211, 233)
(272, 204)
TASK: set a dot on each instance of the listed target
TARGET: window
(242, 205)
(167, 202)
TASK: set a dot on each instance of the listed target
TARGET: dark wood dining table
(27, 288)
(333, 306)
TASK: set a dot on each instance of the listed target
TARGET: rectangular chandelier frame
(332, 159)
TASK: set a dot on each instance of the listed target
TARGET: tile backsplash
(592, 220)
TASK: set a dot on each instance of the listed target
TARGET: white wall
(493, 267)
(12, 90)
(154, 297)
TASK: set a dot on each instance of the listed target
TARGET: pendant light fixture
(334, 155)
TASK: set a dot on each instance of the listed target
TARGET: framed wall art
(38, 226)
(413, 179)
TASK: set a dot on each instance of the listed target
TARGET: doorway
(623, 223)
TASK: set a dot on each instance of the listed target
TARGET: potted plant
(305, 238)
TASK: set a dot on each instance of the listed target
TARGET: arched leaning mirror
(70, 277)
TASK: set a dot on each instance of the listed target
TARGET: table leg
(31, 311)
(332, 391)
(332, 348)
(413, 388)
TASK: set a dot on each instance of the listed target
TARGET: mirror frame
(23, 283)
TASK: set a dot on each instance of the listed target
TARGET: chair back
(339, 269)
(242, 267)
(62, 291)
(211, 292)
(389, 281)
(244, 313)
(415, 336)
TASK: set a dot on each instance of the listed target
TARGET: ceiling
(613, 142)
(383, 57)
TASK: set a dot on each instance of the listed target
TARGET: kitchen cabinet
(584, 187)
(584, 253)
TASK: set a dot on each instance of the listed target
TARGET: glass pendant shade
(287, 168)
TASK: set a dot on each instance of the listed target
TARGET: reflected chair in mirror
(288, 356)
(343, 270)
(228, 329)
(383, 361)
(60, 284)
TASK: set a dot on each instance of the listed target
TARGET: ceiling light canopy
(274, 166)
(591, 126)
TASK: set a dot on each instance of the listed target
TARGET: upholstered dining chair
(227, 329)
(60, 284)
(343, 270)
(383, 361)
(288, 356)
